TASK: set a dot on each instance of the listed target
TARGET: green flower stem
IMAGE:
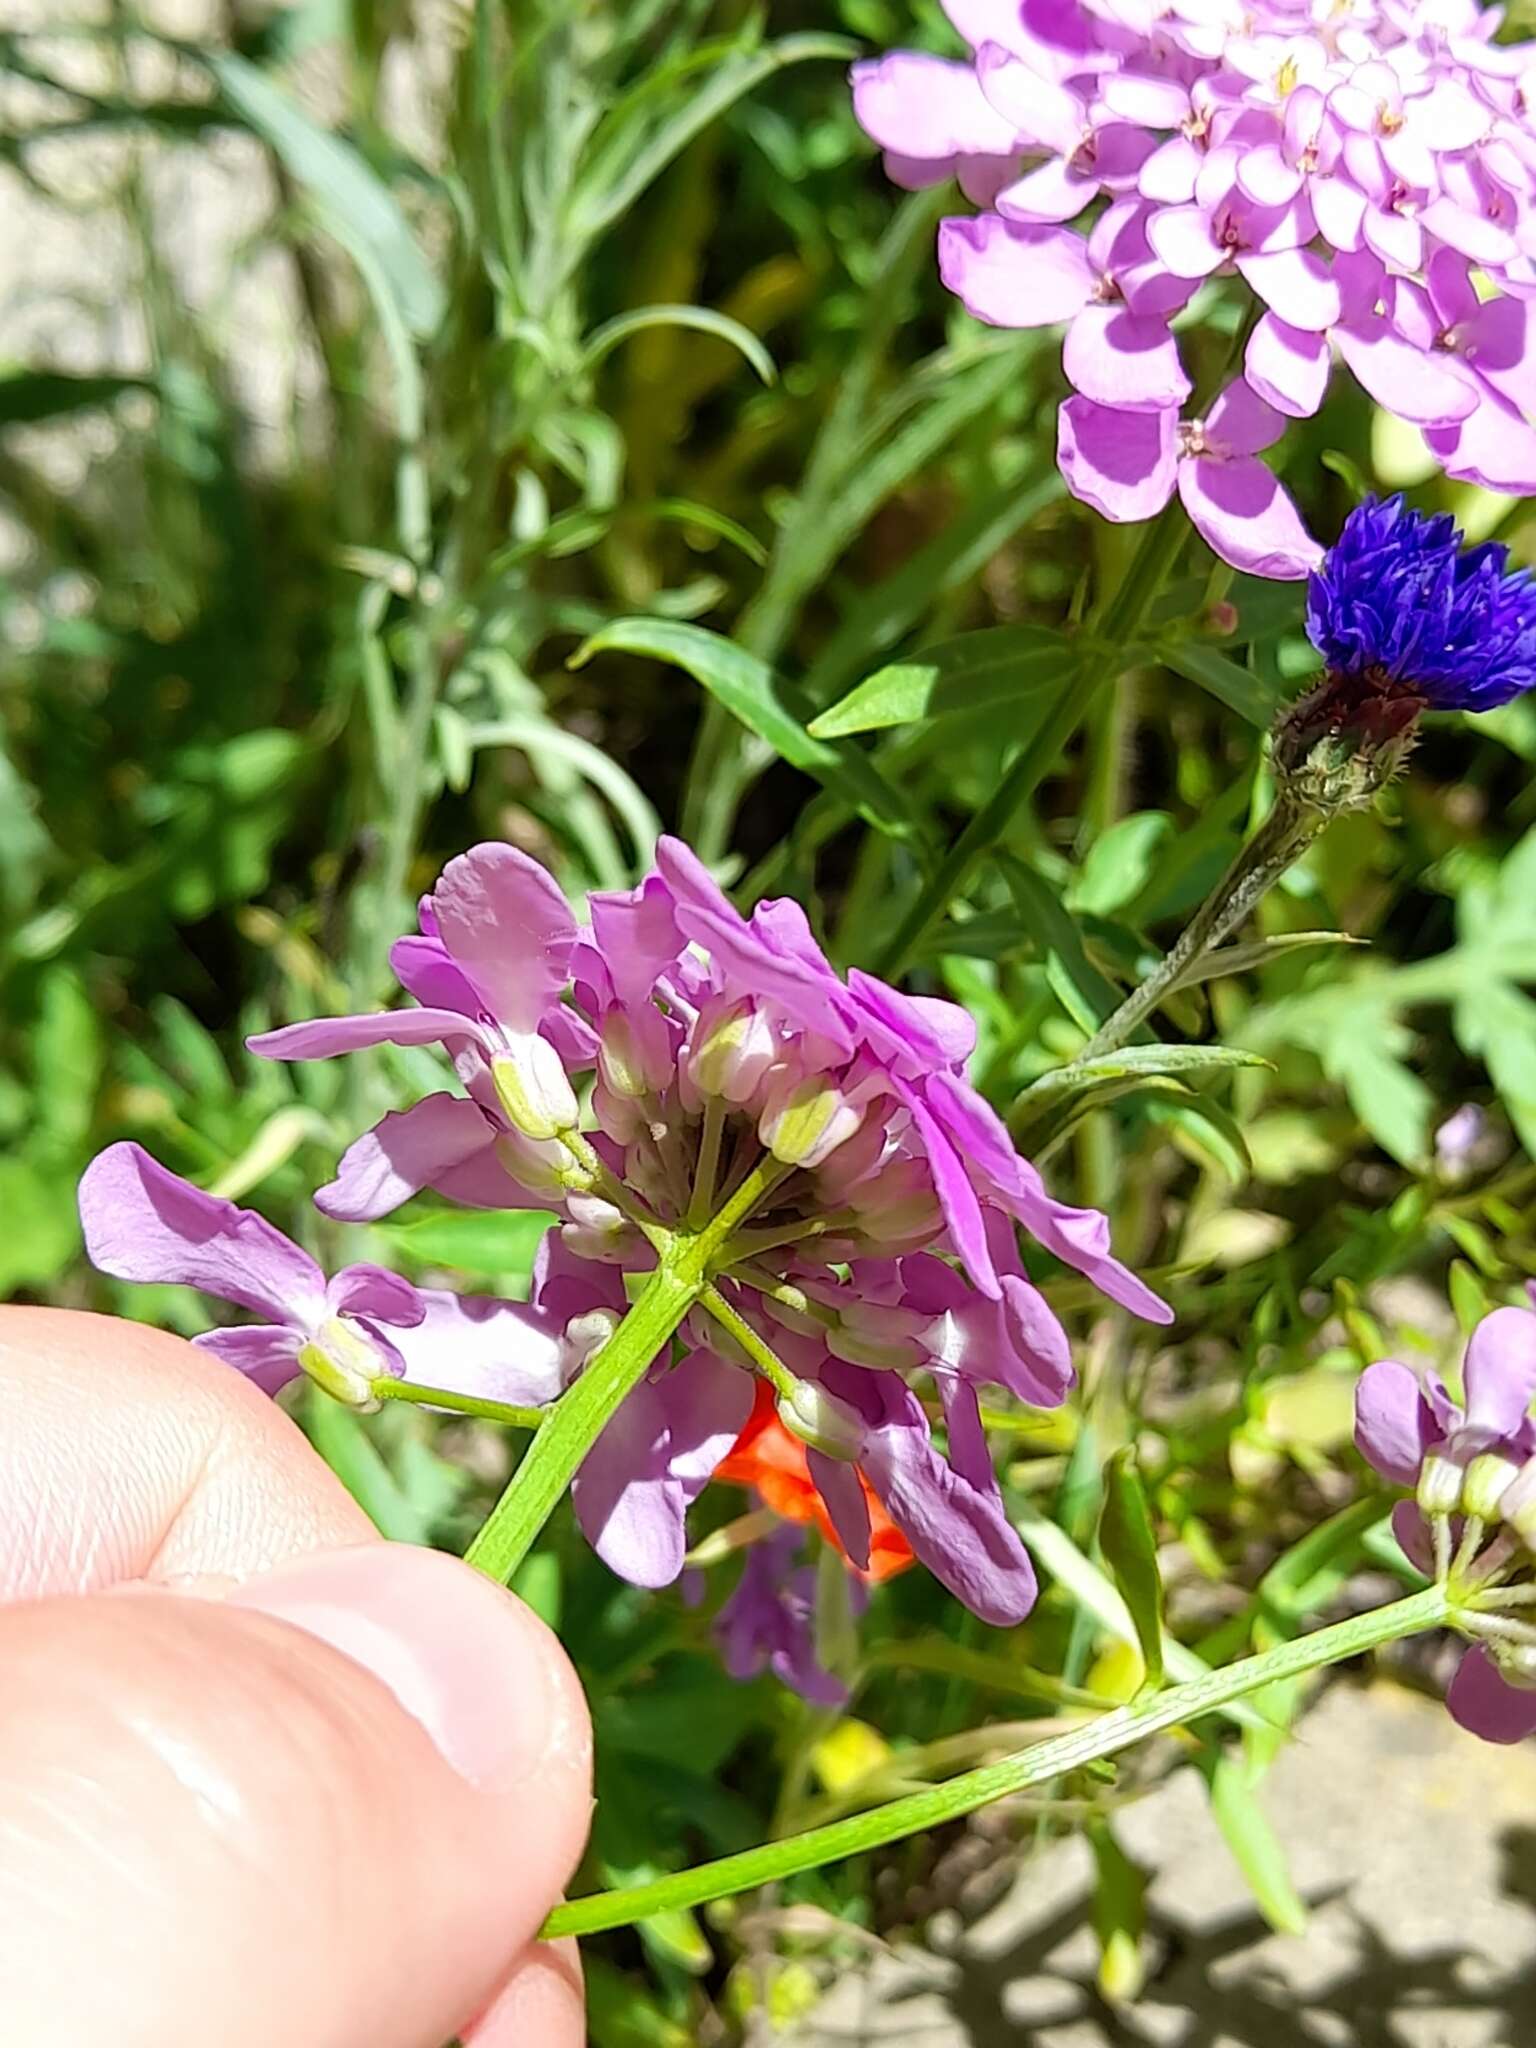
(762, 1355)
(1120, 621)
(460, 1404)
(1284, 835)
(709, 1162)
(1102, 1737)
(572, 1425)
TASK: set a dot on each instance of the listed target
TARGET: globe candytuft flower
(144, 1223)
(1366, 177)
(880, 1199)
(1399, 606)
(1472, 1469)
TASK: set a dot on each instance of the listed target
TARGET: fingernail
(480, 1673)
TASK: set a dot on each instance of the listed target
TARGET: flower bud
(821, 1421)
(805, 1120)
(597, 1230)
(344, 1364)
(1440, 1482)
(634, 1058)
(1487, 1481)
(734, 1047)
(886, 1338)
(542, 1166)
(534, 1089)
(1516, 1662)
(584, 1336)
(1517, 1505)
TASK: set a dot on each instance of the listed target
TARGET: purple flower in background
(144, 1223)
(883, 1247)
(1369, 178)
(1400, 606)
(769, 1621)
(1470, 1466)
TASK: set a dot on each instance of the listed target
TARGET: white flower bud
(584, 1336)
(1517, 1504)
(805, 1120)
(734, 1047)
(597, 1230)
(542, 1166)
(822, 1421)
(1487, 1481)
(1440, 1483)
(634, 1057)
(344, 1364)
(534, 1089)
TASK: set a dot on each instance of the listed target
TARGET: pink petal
(1148, 102)
(1121, 463)
(494, 1350)
(1245, 515)
(1395, 239)
(1451, 291)
(1493, 447)
(1339, 210)
(843, 1498)
(1426, 389)
(1080, 1239)
(1477, 237)
(1013, 274)
(1185, 240)
(323, 1038)
(1053, 192)
(1394, 1424)
(1267, 177)
(410, 1149)
(1296, 284)
(378, 1294)
(268, 1355)
(1118, 360)
(1499, 341)
(505, 922)
(1240, 423)
(1169, 173)
(1486, 1704)
(143, 1222)
(1287, 367)
(1412, 1535)
(627, 1501)
(1036, 109)
(926, 109)
(1500, 1371)
(957, 1197)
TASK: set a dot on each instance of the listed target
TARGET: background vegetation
(365, 362)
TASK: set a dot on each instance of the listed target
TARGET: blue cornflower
(1400, 608)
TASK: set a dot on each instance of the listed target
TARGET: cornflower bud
(821, 1421)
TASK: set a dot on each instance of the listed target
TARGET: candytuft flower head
(1407, 620)
(1472, 1468)
(861, 1202)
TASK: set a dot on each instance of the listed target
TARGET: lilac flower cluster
(1472, 1467)
(732, 1069)
(1368, 170)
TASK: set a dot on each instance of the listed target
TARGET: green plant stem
(1042, 1761)
(762, 1354)
(459, 1404)
(573, 1424)
(1119, 622)
(1285, 834)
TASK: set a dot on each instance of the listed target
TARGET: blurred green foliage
(622, 432)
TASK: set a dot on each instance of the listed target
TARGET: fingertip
(543, 2001)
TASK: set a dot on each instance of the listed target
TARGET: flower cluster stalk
(1103, 1737)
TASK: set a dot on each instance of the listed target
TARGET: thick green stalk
(1106, 1736)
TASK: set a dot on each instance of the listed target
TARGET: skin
(263, 1776)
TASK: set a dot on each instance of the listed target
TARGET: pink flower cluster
(1368, 167)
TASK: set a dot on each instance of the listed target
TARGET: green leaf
(1129, 1544)
(342, 1439)
(1119, 1915)
(603, 340)
(495, 1242)
(355, 204)
(1238, 688)
(41, 1234)
(30, 395)
(1246, 1830)
(1084, 991)
(976, 671)
(1068, 1093)
(751, 692)
(1252, 954)
(1119, 863)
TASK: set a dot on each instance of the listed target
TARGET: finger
(333, 1809)
(126, 1453)
(542, 2004)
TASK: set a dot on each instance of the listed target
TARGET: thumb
(333, 1808)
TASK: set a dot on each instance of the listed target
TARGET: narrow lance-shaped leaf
(995, 666)
(1129, 1544)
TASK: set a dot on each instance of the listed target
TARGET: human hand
(264, 1778)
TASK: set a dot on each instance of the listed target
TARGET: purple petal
(626, 1500)
(491, 1350)
(636, 933)
(1287, 367)
(406, 1151)
(322, 1038)
(144, 1223)
(969, 1452)
(504, 921)
(1013, 274)
(1054, 192)
(1339, 209)
(423, 968)
(374, 1292)
(843, 1498)
(707, 1403)
(1413, 1539)
(927, 110)
(1493, 447)
(1394, 1425)
(1040, 1346)
(266, 1353)
(1169, 174)
(1267, 177)
(1427, 390)
(959, 1530)
(1240, 423)
(1036, 109)
(1080, 1238)
(1296, 284)
(1486, 1704)
(1245, 515)
(1186, 241)
(1500, 1371)
(957, 1197)
(1124, 464)
(1119, 359)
